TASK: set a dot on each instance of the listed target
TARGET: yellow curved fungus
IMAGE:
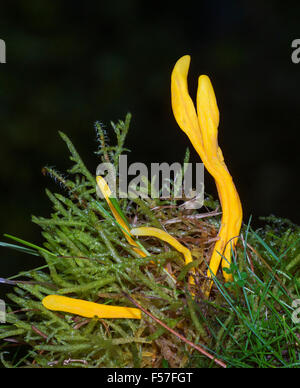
(103, 186)
(89, 309)
(202, 129)
(162, 235)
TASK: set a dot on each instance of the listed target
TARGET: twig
(191, 217)
(39, 332)
(201, 350)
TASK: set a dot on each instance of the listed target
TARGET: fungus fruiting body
(89, 309)
(202, 129)
(103, 186)
(164, 236)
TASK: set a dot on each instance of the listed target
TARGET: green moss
(247, 323)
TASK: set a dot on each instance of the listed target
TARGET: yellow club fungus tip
(208, 113)
(103, 186)
(182, 104)
(207, 99)
(181, 67)
(89, 309)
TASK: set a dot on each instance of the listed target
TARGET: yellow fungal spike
(184, 110)
(207, 97)
(208, 116)
(103, 186)
(202, 130)
(182, 104)
(162, 235)
(89, 309)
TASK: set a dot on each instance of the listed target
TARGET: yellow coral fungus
(103, 186)
(89, 309)
(162, 235)
(202, 130)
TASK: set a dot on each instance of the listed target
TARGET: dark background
(71, 63)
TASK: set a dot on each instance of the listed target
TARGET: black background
(71, 63)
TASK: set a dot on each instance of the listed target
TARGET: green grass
(247, 323)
